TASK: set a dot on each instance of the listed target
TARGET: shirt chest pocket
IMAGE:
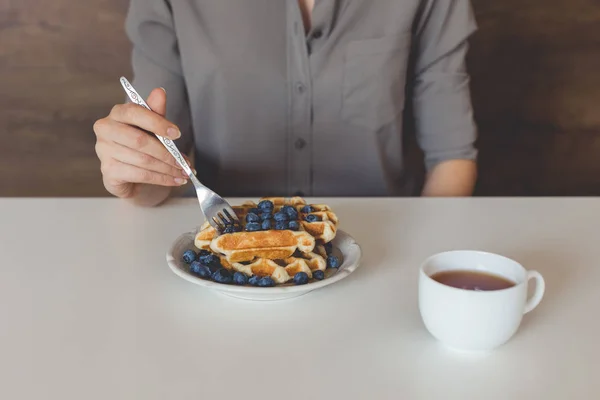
(374, 80)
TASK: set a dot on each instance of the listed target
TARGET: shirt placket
(300, 106)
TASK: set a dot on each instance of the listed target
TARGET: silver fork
(215, 209)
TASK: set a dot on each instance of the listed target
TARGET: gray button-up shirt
(271, 110)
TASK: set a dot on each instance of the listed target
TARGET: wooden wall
(535, 69)
(60, 61)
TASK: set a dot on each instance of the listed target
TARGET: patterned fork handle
(168, 143)
(215, 209)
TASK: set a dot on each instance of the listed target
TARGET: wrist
(146, 195)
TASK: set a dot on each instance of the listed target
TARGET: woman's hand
(130, 157)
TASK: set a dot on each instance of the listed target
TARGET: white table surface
(90, 310)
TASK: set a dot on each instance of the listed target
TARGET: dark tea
(472, 280)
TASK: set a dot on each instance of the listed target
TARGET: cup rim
(480, 252)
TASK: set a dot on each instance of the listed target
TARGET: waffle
(280, 270)
(280, 254)
(323, 230)
(282, 201)
(274, 245)
(207, 233)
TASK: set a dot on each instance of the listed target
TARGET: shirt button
(317, 34)
(300, 144)
(300, 88)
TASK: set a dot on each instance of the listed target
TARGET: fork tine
(224, 220)
(218, 224)
(232, 220)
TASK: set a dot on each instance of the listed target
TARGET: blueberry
(210, 260)
(254, 210)
(240, 279)
(265, 216)
(188, 256)
(318, 275)
(266, 281)
(290, 211)
(251, 217)
(253, 227)
(201, 270)
(195, 267)
(203, 253)
(301, 278)
(254, 279)
(266, 225)
(281, 225)
(307, 209)
(293, 214)
(312, 218)
(280, 216)
(206, 272)
(333, 262)
(222, 276)
(328, 247)
(266, 205)
(293, 225)
(229, 229)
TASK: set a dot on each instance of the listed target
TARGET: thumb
(158, 101)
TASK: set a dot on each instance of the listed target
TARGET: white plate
(344, 243)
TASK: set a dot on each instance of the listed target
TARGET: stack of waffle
(279, 253)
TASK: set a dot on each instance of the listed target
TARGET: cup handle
(540, 287)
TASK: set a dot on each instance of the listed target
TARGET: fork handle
(168, 143)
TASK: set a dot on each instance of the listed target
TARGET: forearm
(443, 113)
(453, 178)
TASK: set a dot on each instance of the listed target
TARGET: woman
(293, 97)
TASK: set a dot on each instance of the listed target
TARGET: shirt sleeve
(156, 61)
(443, 113)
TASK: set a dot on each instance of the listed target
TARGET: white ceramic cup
(475, 320)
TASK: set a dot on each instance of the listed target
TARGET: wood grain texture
(535, 84)
(536, 88)
(60, 63)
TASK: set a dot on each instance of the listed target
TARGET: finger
(139, 159)
(135, 115)
(189, 163)
(135, 139)
(158, 101)
(122, 172)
